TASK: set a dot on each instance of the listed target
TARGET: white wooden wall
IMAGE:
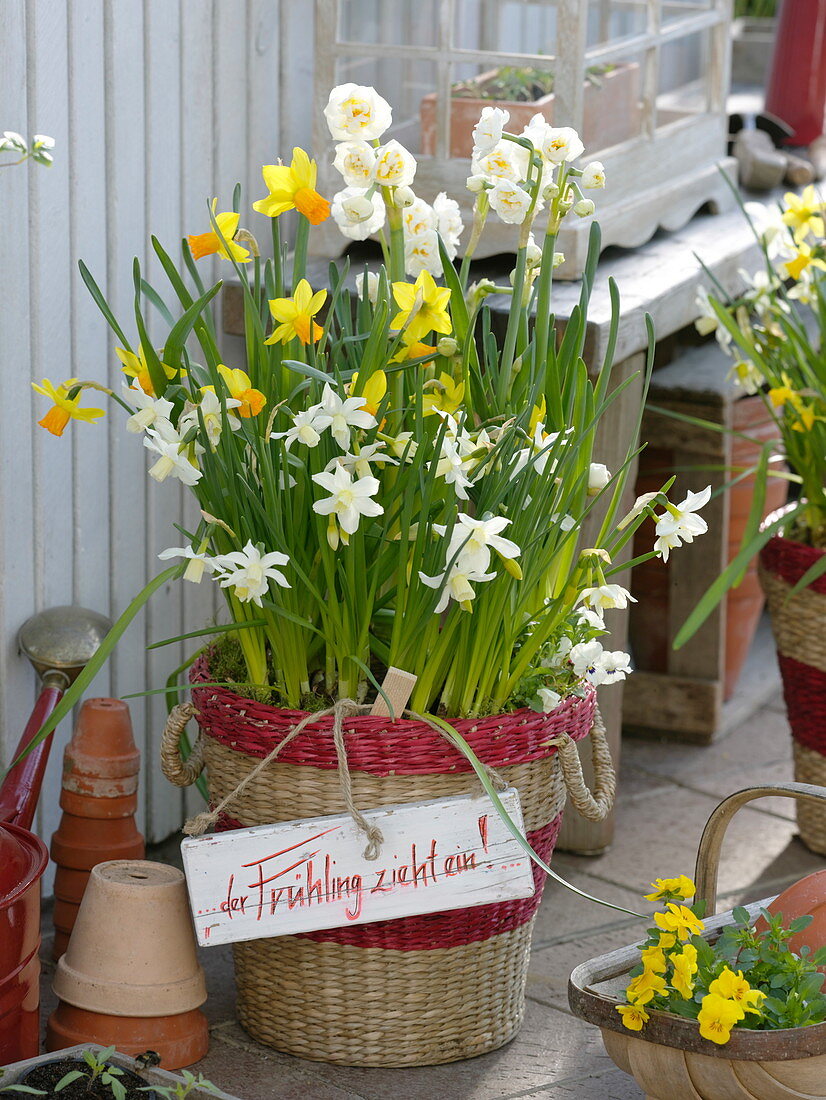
(155, 106)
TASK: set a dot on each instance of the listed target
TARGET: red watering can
(58, 643)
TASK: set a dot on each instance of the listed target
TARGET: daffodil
(296, 315)
(679, 523)
(538, 414)
(349, 500)
(248, 572)
(633, 1016)
(779, 395)
(734, 987)
(373, 391)
(198, 562)
(174, 457)
(416, 350)
(150, 410)
(444, 396)
(717, 1017)
(423, 308)
(645, 987)
(341, 415)
(455, 585)
(472, 540)
(804, 213)
(679, 920)
(804, 258)
(685, 967)
(293, 188)
(135, 366)
(65, 408)
(238, 383)
(207, 244)
(679, 887)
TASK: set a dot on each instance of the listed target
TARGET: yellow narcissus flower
(538, 414)
(423, 308)
(685, 967)
(717, 1017)
(135, 366)
(239, 386)
(680, 887)
(416, 350)
(373, 393)
(804, 259)
(679, 920)
(734, 987)
(633, 1016)
(296, 315)
(64, 408)
(207, 244)
(293, 188)
(645, 987)
(447, 398)
(804, 213)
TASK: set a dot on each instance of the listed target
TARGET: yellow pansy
(666, 941)
(135, 366)
(679, 920)
(633, 1016)
(653, 958)
(423, 308)
(645, 987)
(239, 386)
(296, 315)
(373, 393)
(804, 213)
(293, 188)
(447, 397)
(680, 887)
(64, 408)
(207, 244)
(734, 987)
(685, 967)
(717, 1017)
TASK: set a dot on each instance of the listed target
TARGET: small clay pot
(180, 1040)
(805, 898)
(133, 946)
(81, 843)
(70, 884)
(102, 745)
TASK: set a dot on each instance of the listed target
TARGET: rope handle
(597, 804)
(182, 773)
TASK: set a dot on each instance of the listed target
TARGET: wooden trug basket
(669, 1058)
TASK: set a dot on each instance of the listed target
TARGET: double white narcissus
(355, 111)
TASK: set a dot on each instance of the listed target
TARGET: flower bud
(447, 346)
(404, 196)
(475, 184)
(598, 478)
(357, 208)
(550, 191)
(584, 208)
(559, 258)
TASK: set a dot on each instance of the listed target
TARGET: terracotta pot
(180, 1040)
(82, 842)
(69, 884)
(799, 627)
(805, 898)
(650, 582)
(611, 112)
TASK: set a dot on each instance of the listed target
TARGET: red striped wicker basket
(799, 627)
(418, 990)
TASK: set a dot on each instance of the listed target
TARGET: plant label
(301, 876)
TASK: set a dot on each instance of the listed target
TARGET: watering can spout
(58, 643)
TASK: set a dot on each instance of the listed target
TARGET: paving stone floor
(666, 793)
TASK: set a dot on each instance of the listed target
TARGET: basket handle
(708, 853)
(182, 773)
(596, 805)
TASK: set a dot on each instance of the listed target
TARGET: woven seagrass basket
(799, 627)
(418, 990)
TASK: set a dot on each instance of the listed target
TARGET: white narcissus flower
(589, 617)
(453, 466)
(150, 410)
(501, 163)
(680, 524)
(475, 184)
(419, 217)
(395, 166)
(487, 133)
(373, 283)
(450, 224)
(355, 160)
(349, 500)
(598, 477)
(746, 375)
(457, 586)
(359, 464)
(605, 596)
(306, 429)
(42, 141)
(172, 461)
(768, 224)
(210, 409)
(593, 176)
(421, 253)
(340, 415)
(533, 253)
(357, 208)
(355, 111)
(357, 230)
(510, 201)
(13, 140)
(249, 572)
(404, 197)
(198, 563)
(472, 540)
(548, 700)
(640, 503)
(562, 143)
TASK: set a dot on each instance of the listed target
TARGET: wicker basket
(799, 626)
(418, 990)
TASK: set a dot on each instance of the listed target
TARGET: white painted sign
(299, 876)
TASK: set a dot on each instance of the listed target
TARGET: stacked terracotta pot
(99, 799)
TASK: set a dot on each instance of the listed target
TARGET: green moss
(227, 666)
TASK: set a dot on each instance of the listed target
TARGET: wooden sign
(299, 876)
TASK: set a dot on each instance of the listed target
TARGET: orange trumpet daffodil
(65, 408)
(207, 244)
(135, 366)
(239, 386)
(293, 188)
(296, 315)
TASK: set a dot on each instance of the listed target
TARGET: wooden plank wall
(155, 105)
